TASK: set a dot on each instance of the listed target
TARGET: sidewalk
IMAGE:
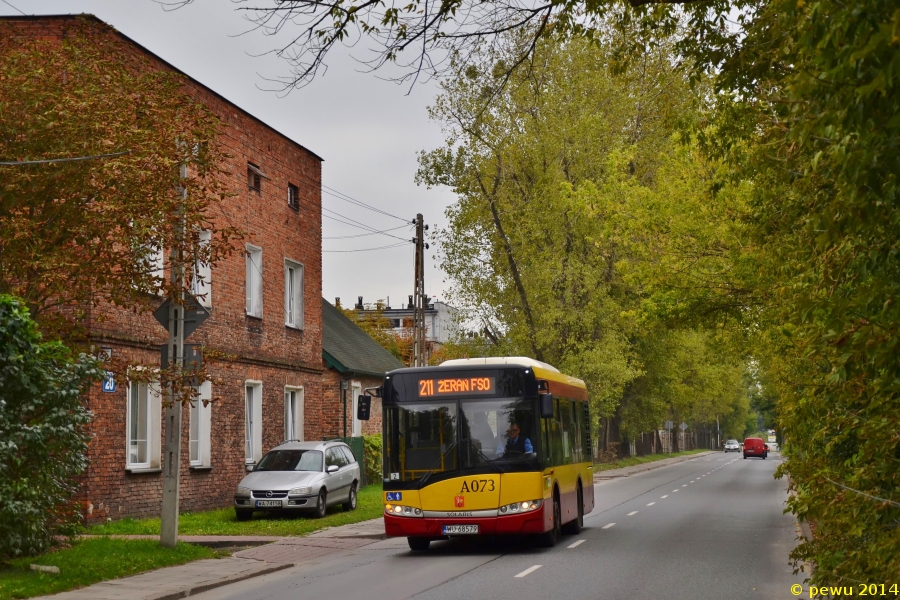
(270, 554)
(629, 471)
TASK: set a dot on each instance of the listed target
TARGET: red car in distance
(755, 447)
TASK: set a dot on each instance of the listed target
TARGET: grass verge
(640, 460)
(223, 522)
(92, 560)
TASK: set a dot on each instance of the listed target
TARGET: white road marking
(607, 526)
(652, 503)
(666, 496)
(576, 544)
(673, 491)
(685, 485)
(529, 570)
(632, 513)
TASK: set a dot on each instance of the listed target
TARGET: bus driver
(516, 444)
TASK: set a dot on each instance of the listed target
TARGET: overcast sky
(367, 130)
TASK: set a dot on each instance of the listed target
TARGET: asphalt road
(711, 527)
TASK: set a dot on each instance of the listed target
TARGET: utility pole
(172, 455)
(419, 300)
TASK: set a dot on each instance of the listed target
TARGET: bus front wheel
(419, 544)
(574, 527)
(549, 539)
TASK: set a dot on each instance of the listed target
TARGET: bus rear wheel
(549, 539)
(418, 544)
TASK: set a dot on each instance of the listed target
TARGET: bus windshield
(421, 441)
(424, 440)
(500, 434)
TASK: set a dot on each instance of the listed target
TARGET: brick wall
(332, 403)
(263, 349)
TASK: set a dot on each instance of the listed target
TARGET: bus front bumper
(533, 522)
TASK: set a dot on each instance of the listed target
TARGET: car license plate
(268, 504)
(460, 529)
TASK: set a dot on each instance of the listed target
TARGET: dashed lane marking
(666, 496)
(652, 503)
(632, 513)
(607, 526)
(575, 545)
(529, 570)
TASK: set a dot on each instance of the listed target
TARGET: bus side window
(578, 447)
(568, 431)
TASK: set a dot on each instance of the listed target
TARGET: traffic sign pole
(172, 455)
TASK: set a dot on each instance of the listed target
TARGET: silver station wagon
(300, 476)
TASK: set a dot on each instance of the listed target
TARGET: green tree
(43, 438)
(77, 233)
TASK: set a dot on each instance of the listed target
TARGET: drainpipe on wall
(344, 385)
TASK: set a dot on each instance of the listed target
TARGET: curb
(611, 474)
(223, 582)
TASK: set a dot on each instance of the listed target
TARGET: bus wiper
(487, 460)
(436, 463)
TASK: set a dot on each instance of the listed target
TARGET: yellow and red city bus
(483, 447)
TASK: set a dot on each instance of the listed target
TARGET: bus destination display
(456, 385)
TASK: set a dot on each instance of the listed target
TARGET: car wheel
(549, 539)
(243, 514)
(418, 544)
(350, 504)
(321, 505)
(574, 527)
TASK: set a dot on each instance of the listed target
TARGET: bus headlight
(402, 511)
(521, 507)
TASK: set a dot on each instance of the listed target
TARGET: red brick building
(266, 310)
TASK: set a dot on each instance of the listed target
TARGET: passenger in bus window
(515, 444)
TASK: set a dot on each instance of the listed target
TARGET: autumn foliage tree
(107, 166)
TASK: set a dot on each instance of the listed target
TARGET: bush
(372, 451)
(43, 442)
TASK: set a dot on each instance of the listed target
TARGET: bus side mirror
(363, 407)
(546, 401)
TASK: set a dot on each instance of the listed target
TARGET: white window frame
(200, 416)
(202, 271)
(293, 412)
(355, 391)
(254, 281)
(293, 294)
(252, 422)
(152, 418)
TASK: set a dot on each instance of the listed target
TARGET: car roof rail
(286, 441)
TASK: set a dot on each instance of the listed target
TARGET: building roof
(90, 17)
(349, 349)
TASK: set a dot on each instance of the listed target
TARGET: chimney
(359, 304)
(337, 301)
(410, 303)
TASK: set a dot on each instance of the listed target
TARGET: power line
(13, 7)
(369, 249)
(347, 237)
(355, 223)
(13, 163)
(342, 196)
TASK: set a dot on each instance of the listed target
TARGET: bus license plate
(268, 504)
(460, 529)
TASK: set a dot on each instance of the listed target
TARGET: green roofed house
(350, 356)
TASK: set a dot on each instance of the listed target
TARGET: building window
(254, 177)
(293, 294)
(293, 414)
(252, 422)
(142, 426)
(200, 278)
(293, 196)
(254, 281)
(200, 421)
(355, 391)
